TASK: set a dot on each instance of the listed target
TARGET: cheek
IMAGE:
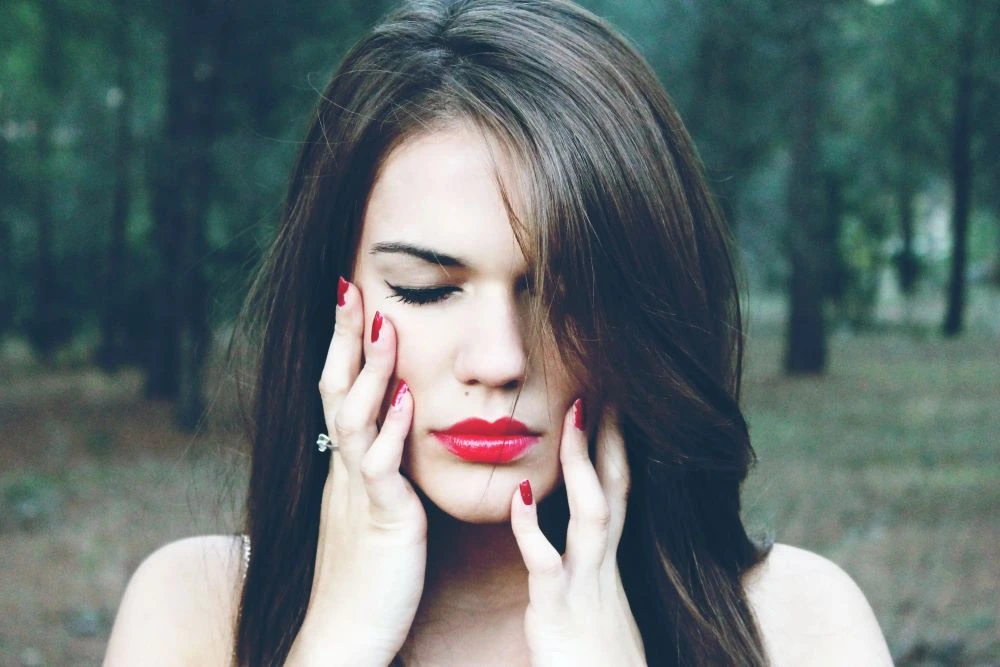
(561, 388)
(421, 353)
(408, 347)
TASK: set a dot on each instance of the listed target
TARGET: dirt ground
(889, 466)
(93, 479)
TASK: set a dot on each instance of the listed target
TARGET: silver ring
(324, 443)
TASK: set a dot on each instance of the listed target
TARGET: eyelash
(422, 297)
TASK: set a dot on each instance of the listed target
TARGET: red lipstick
(479, 441)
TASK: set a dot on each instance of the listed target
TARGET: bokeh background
(144, 148)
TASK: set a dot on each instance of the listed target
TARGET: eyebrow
(426, 254)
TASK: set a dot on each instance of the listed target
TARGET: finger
(589, 514)
(613, 473)
(545, 566)
(355, 423)
(343, 361)
(387, 489)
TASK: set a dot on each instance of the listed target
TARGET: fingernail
(578, 416)
(526, 492)
(376, 325)
(341, 290)
(397, 399)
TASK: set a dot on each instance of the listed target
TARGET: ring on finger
(324, 443)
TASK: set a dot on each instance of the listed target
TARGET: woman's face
(463, 355)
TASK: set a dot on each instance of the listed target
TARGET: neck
(472, 568)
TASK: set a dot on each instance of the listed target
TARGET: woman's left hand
(578, 613)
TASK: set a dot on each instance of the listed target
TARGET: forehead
(441, 190)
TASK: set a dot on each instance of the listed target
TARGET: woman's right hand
(372, 548)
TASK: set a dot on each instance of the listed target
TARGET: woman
(530, 391)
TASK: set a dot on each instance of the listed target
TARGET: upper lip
(476, 426)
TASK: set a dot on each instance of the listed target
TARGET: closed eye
(421, 297)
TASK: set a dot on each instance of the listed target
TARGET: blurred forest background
(854, 144)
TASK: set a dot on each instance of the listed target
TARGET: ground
(888, 466)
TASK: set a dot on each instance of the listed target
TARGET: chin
(476, 493)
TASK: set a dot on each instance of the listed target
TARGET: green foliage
(887, 114)
(29, 500)
(862, 267)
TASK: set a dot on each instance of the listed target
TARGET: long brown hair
(633, 274)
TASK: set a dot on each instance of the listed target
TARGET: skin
(495, 591)
(466, 356)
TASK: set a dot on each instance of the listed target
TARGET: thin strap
(245, 539)
(246, 554)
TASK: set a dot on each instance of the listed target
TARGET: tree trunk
(162, 354)
(996, 259)
(906, 263)
(195, 335)
(8, 302)
(109, 355)
(961, 173)
(183, 176)
(805, 345)
(43, 328)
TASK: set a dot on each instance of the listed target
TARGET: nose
(492, 347)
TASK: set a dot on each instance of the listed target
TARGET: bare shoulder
(180, 605)
(811, 612)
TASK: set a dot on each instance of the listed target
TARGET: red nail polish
(376, 325)
(400, 390)
(526, 492)
(578, 416)
(341, 290)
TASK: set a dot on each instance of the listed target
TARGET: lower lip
(480, 449)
